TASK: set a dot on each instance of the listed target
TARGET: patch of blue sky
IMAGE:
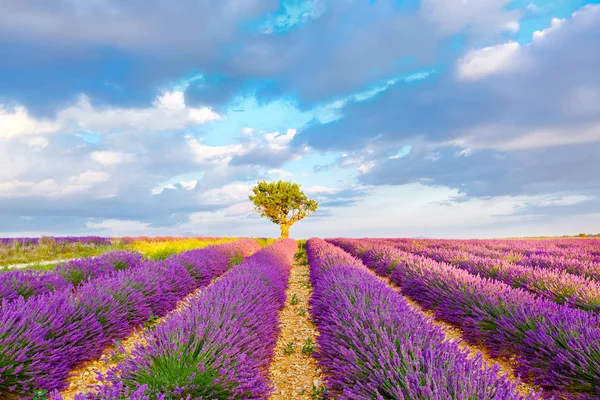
(248, 112)
(538, 15)
(90, 137)
(291, 14)
(402, 153)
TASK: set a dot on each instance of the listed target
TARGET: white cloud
(554, 25)
(188, 185)
(232, 193)
(85, 181)
(280, 173)
(509, 56)
(278, 141)
(274, 143)
(172, 101)
(481, 16)
(118, 227)
(213, 154)
(111, 157)
(38, 143)
(18, 122)
(434, 211)
(49, 187)
(480, 63)
(168, 112)
(246, 131)
(16, 188)
(320, 190)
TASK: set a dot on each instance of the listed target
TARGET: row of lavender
(219, 346)
(67, 275)
(577, 256)
(549, 281)
(557, 347)
(27, 241)
(43, 337)
(571, 248)
(373, 345)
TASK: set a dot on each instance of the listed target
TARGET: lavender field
(387, 318)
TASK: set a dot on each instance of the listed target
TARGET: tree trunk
(285, 230)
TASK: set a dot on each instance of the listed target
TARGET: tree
(283, 203)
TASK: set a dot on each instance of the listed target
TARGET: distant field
(35, 250)
(335, 318)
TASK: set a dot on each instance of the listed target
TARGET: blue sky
(437, 118)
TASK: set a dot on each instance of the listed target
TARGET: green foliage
(264, 242)
(294, 299)
(308, 347)
(40, 394)
(151, 321)
(283, 203)
(182, 369)
(289, 348)
(49, 249)
(301, 311)
(318, 393)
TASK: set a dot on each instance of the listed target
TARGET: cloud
(482, 16)
(487, 61)
(17, 122)
(49, 187)
(111, 157)
(282, 174)
(527, 130)
(38, 143)
(169, 112)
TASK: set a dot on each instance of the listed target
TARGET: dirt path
(293, 370)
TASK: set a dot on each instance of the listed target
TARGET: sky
(403, 118)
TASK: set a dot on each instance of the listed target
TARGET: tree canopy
(283, 203)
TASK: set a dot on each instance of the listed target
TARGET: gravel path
(293, 370)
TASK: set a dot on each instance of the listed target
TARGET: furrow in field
(294, 372)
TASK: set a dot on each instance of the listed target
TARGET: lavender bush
(553, 284)
(219, 346)
(67, 275)
(372, 345)
(42, 338)
(557, 347)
